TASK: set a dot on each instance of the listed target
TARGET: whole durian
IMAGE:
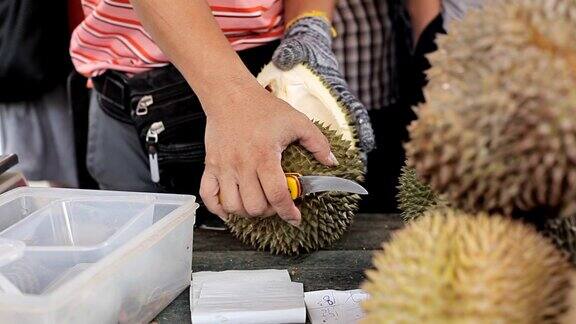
(498, 130)
(414, 196)
(325, 216)
(449, 267)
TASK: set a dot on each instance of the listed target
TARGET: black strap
(113, 94)
(79, 101)
(115, 89)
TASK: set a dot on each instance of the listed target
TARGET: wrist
(230, 97)
(318, 18)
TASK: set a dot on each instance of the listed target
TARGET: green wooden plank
(367, 232)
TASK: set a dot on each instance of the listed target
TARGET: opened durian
(498, 130)
(449, 267)
(304, 90)
(325, 216)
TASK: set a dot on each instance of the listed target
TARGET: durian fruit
(325, 216)
(414, 196)
(562, 231)
(450, 267)
(498, 130)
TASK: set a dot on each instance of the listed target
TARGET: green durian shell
(414, 196)
(325, 216)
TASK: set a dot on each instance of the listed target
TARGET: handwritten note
(334, 306)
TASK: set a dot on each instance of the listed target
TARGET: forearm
(422, 12)
(294, 8)
(189, 35)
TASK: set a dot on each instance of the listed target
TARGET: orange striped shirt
(111, 37)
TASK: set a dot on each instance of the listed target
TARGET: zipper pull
(152, 143)
(143, 104)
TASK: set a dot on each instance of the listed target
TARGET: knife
(300, 185)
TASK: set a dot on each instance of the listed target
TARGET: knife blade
(300, 185)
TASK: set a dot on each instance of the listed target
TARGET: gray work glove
(309, 41)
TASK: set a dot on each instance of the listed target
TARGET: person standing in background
(384, 66)
(369, 58)
(35, 119)
(428, 19)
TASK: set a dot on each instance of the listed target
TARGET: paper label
(334, 306)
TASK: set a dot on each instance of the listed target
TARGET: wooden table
(341, 266)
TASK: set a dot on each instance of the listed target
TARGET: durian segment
(498, 131)
(305, 91)
(325, 216)
(449, 267)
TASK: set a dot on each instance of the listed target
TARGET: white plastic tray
(74, 256)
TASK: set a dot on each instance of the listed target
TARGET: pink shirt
(111, 37)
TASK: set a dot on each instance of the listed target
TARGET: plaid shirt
(366, 50)
(373, 37)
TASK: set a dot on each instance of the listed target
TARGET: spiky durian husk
(414, 196)
(562, 231)
(325, 216)
(449, 267)
(498, 131)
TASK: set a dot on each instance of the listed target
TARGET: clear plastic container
(74, 256)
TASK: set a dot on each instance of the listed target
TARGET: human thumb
(312, 139)
(289, 54)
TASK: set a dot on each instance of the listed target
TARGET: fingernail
(294, 222)
(334, 160)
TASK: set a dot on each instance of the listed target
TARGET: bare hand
(245, 137)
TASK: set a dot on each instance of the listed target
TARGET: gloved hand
(309, 40)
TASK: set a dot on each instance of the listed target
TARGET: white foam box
(81, 256)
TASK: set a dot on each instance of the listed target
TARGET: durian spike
(414, 196)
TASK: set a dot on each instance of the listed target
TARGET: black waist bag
(168, 117)
(171, 123)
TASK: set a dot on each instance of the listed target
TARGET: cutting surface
(339, 267)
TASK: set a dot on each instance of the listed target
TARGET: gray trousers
(41, 133)
(115, 158)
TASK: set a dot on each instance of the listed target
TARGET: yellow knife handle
(294, 185)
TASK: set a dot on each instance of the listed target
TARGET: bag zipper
(143, 104)
(170, 125)
(152, 144)
(147, 100)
